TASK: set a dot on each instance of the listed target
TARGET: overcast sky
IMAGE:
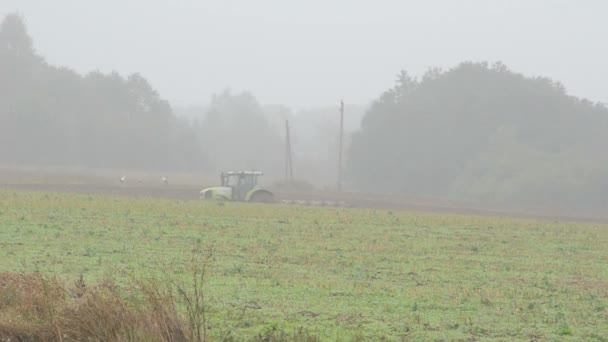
(313, 52)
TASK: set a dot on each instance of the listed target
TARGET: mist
(313, 53)
(482, 101)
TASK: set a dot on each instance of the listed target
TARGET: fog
(311, 53)
(483, 101)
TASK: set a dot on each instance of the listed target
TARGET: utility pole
(288, 159)
(341, 145)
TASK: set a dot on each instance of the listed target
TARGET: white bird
(165, 180)
(123, 179)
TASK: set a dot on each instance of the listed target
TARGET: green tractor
(238, 186)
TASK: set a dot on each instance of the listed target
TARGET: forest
(54, 116)
(483, 132)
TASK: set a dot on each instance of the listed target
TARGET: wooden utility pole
(341, 145)
(288, 159)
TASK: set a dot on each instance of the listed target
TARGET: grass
(339, 274)
(38, 308)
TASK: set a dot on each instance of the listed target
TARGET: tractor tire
(262, 197)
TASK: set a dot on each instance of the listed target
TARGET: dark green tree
(481, 131)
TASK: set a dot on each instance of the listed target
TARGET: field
(341, 274)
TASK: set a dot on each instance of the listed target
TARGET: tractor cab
(241, 182)
(238, 186)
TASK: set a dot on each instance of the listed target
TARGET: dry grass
(36, 308)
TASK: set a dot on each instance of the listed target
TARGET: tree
(236, 135)
(14, 39)
(17, 64)
(54, 116)
(481, 132)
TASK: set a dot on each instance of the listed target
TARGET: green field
(342, 274)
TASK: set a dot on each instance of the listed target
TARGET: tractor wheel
(262, 197)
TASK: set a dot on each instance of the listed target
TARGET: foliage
(239, 135)
(54, 116)
(483, 132)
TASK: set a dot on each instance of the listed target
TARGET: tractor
(238, 186)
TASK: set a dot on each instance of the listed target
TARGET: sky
(315, 52)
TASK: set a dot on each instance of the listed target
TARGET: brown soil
(188, 187)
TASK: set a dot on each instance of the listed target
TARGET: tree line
(55, 116)
(483, 132)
